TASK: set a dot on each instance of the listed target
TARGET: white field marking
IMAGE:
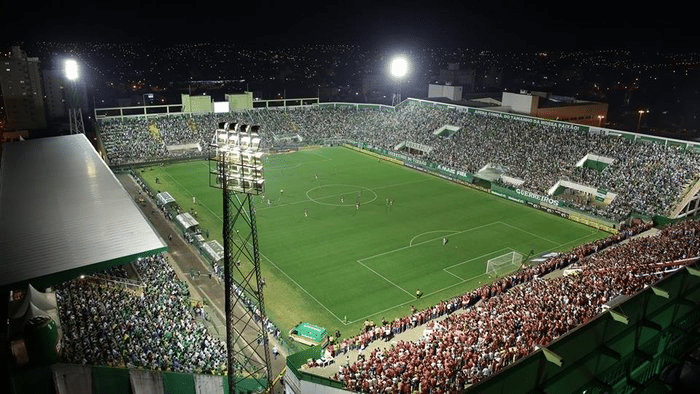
(306, 200)
(455, 275)
(286, 167)
(412, 300)
(578, 239)
(529, 233)
(360, 261)
(303, 289)
(316, 153)
(367, 258)
(300, 163)
(462, 280)
(360, 189)
(271, 262)
(385, 278)
(450, 232)
(436, 291)
(199, 200)
(479, 257)
(277, 267)
(420, 243)
(446, 269)
(558, 245)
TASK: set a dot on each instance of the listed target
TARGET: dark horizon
(508, 25)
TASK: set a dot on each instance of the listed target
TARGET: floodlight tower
(75, 115)
(235, 166)
(398, 69)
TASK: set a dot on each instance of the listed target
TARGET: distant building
(547, 106)
(240, 101)
(197, 104)
(450, 92)
(53, 92)
(453, 75)
(60, 94)
(451, 83)
(23, 98)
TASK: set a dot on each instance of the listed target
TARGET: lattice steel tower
(235, 166)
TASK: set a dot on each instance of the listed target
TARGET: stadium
(422, 247)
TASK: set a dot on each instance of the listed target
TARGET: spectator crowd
(493, 326)
(648, 178)
(107, 320)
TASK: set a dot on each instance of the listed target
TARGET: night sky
(546, 24)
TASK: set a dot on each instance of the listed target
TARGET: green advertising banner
(419, 164)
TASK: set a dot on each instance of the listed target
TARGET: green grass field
(328, 263)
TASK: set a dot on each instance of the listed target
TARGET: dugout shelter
(165, 201)
(308, 334)
(189, 226)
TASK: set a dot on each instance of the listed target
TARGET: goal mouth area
(504, 264)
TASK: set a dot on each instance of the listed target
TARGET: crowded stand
(485, 330)
(269, 326)
(106, 320)
(648, 178)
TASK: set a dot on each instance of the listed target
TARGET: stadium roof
(63, 213)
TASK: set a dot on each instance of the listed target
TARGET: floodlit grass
(330, 263)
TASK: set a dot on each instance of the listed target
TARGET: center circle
(340, 195)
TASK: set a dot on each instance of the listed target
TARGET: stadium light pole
(71, 71)
(639, 121)
(398, 69)
(235, 166)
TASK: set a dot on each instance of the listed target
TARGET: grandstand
(543, 156)
(96, 305)
(539, 164)
(609, 315)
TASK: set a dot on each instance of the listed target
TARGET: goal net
(504, 264)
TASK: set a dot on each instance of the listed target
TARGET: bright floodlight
(71, 69)
(399, 67)
(238, 158)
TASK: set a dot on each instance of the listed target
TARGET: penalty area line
(413, 299)
(385, 278)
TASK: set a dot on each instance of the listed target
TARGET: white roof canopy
(62, 210)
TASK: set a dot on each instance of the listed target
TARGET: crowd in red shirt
(495, 325)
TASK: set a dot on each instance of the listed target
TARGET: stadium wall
(240, 102)
(69, 378)
(297, 381)
(164, 110)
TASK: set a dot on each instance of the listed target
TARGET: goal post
(504, 264)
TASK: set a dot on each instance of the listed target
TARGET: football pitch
(345, 237)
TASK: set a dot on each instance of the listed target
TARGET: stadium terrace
(648, 177)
